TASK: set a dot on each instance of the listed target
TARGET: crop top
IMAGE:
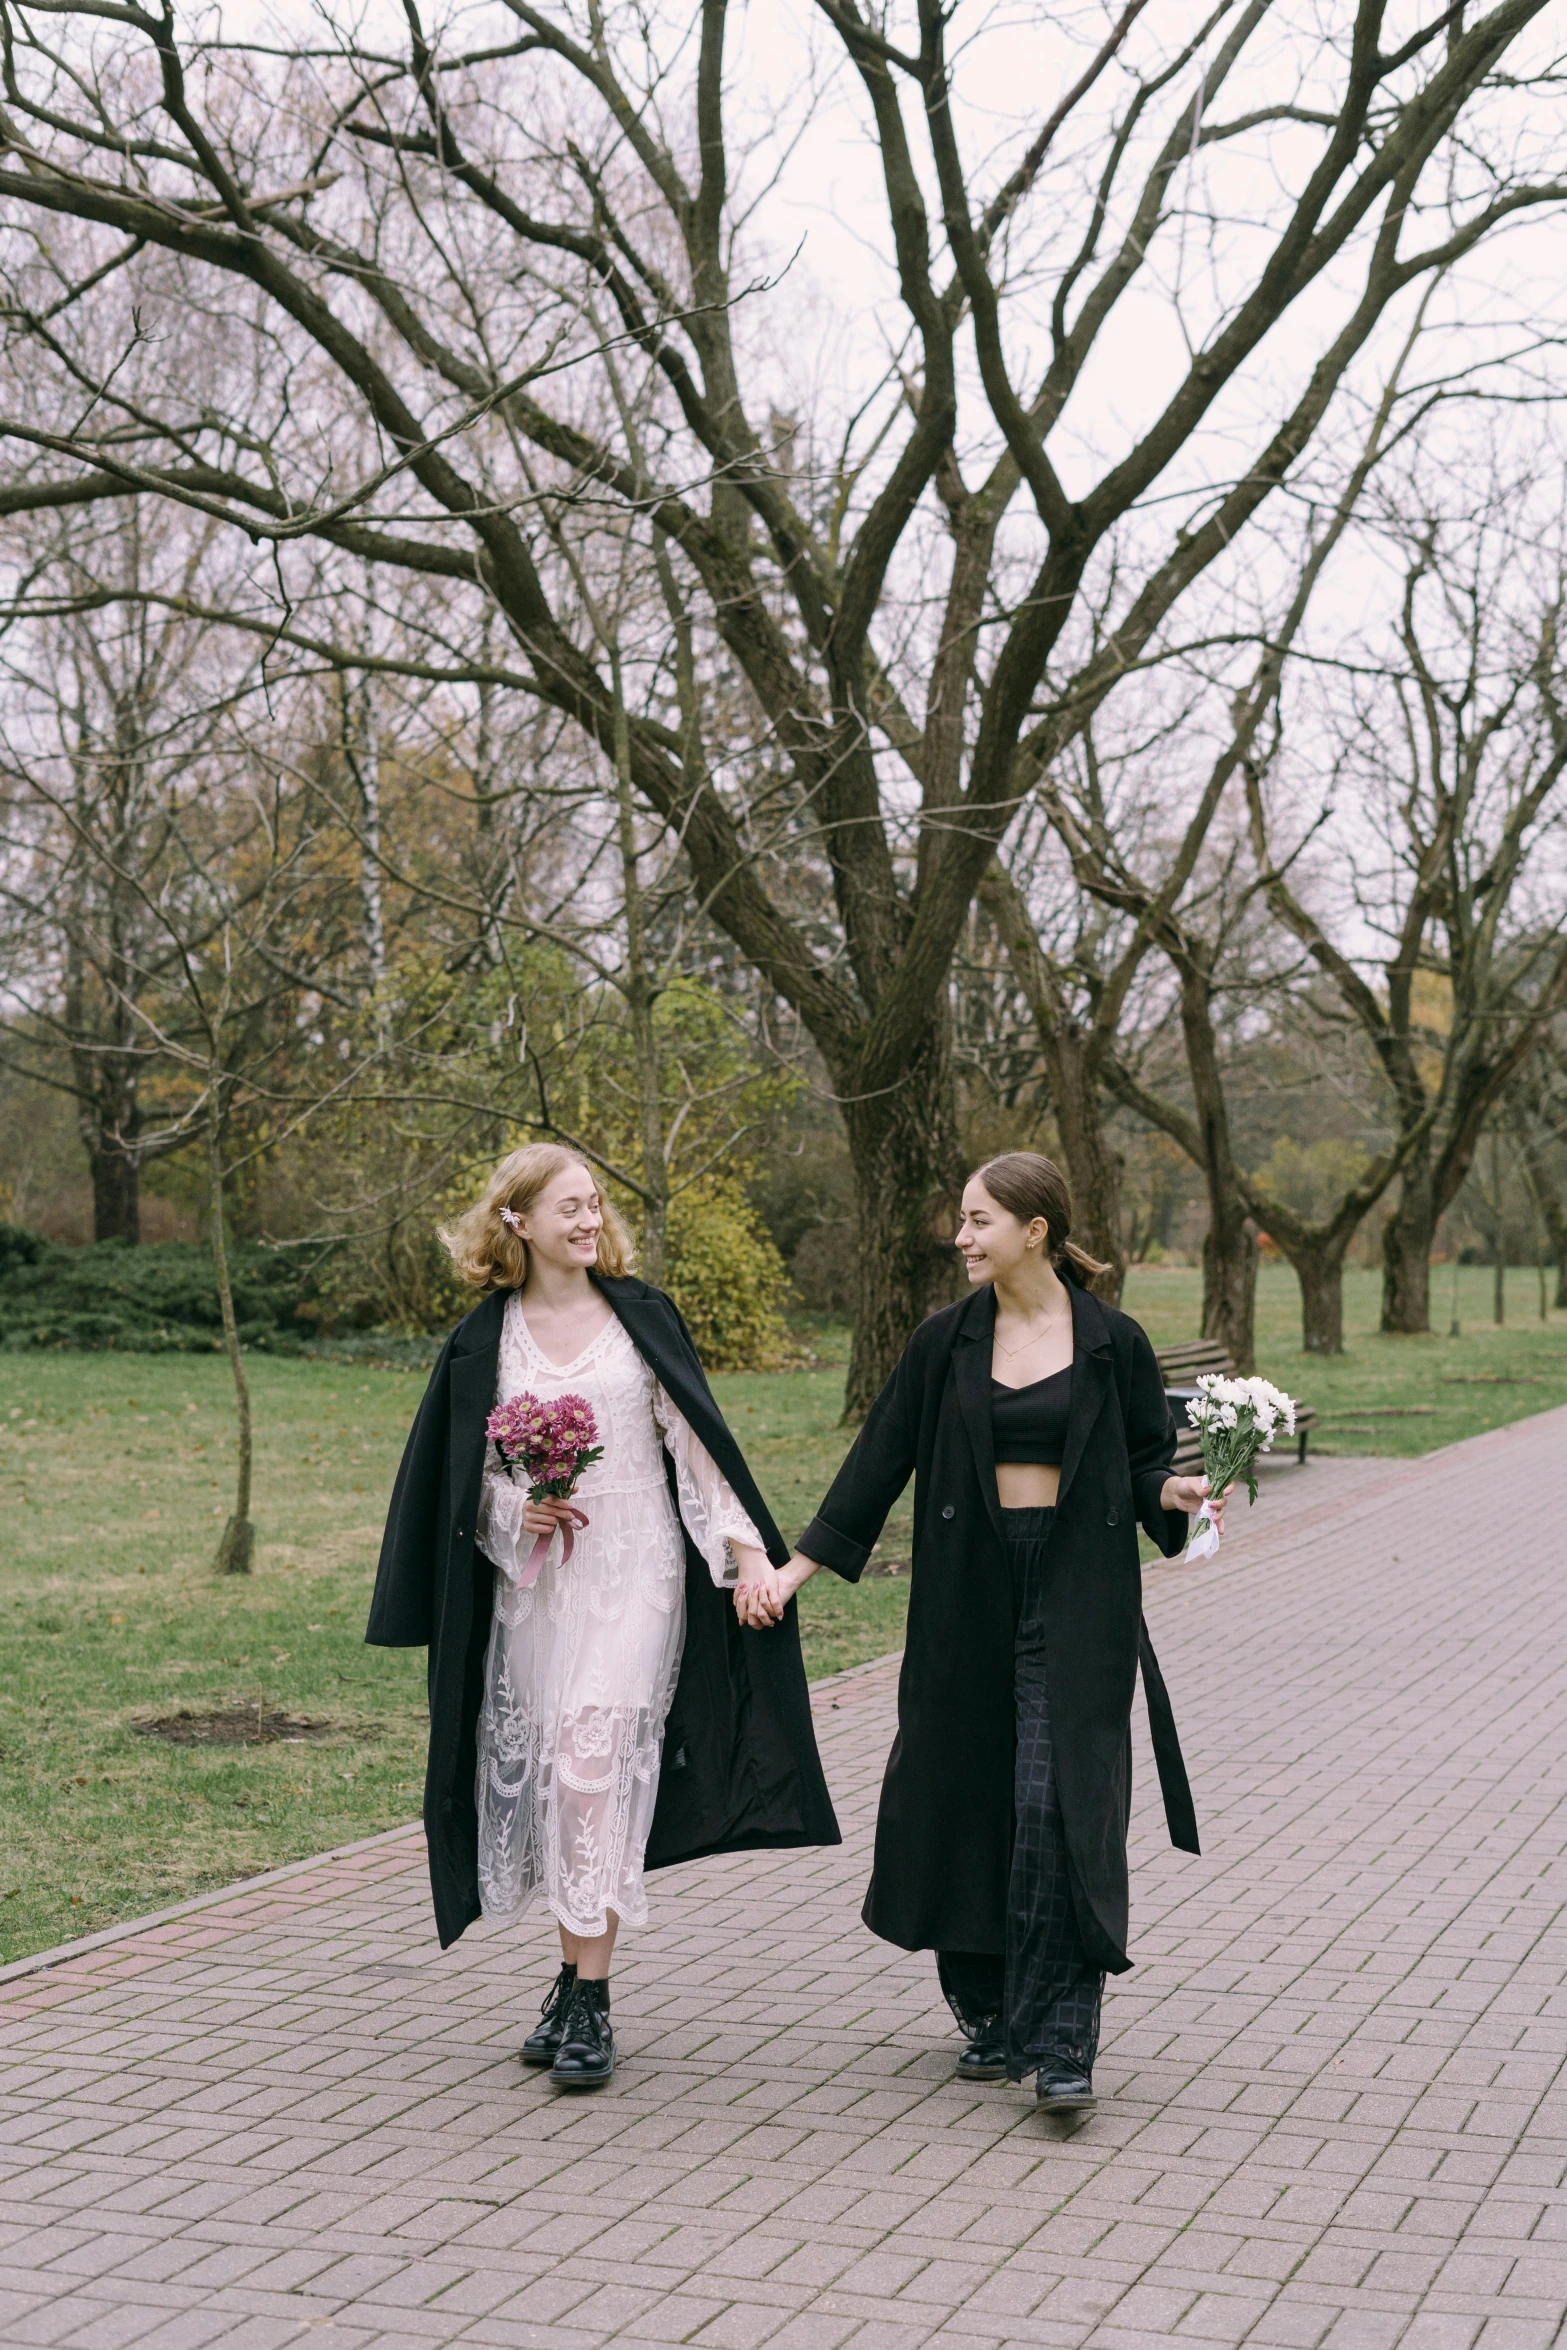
(1029, 1423)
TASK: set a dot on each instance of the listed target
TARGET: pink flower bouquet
(551, 1444)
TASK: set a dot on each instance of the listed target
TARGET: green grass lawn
(115, 1478)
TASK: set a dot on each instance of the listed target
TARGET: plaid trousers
(1042, 1996)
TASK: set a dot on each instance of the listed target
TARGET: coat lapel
(1091, 1369)
(971, 1370)
(474, 1368)
(649, 1321)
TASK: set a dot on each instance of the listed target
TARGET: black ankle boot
(1062, 2088)
(542, 2042)
(586, 2055)
(985, 2057)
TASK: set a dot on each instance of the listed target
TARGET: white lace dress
(581, 1668)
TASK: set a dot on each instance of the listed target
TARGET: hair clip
(510, 1217)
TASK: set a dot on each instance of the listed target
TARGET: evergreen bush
(158, 1298)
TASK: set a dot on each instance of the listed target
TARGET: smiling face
(563, 1224)
(992, 1241)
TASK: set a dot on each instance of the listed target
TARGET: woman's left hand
(759, 1602)
(1189, 1494)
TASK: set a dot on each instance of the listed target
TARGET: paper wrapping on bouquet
(1204, 1538)
(527, 1574)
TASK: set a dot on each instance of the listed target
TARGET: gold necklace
(1007, 1352)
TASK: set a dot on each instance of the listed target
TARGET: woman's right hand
(542, 1517)
(795, 1571)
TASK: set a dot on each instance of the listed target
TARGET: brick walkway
(1332, 2108)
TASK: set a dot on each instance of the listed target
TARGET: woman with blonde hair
(618, 1713)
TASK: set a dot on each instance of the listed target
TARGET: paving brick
(742, 2326)
(1431, 2331)
(1292, 2325)
(1328, 2118)
(1520, 2333)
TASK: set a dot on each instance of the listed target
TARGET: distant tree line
(496, 685)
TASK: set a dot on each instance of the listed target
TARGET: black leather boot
(1062, 2088)
(585, 2058)
(985, 2057)
(542, 2042)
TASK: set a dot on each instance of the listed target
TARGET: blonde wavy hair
(489, 1255)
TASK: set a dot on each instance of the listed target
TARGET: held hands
(1189, 1494)
(764, 1591)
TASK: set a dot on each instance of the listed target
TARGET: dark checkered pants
(1043, 1993)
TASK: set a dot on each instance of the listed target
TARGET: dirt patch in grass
(237, 1725)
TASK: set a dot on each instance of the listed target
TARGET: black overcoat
(944, 1830)
(740, 1769)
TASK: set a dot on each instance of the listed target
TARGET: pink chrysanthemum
(551, 1443)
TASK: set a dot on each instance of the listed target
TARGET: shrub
(157, 1298)
(727, 1278)
(19, 1247)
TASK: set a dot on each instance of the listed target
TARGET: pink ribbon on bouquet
(529, 1574)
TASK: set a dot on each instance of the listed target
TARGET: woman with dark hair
(603, 1713)
(1034, 1421)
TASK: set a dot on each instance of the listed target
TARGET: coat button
(949, 1511)
(1113, 1518)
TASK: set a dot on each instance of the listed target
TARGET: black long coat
(740, 1767)
(944, 1830)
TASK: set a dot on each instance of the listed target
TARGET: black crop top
(1029, 1423)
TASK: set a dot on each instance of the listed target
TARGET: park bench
(1181, 1367)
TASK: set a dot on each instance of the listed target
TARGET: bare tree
(225, 895)
(114, 699)
(1172, 901)
(1456, 748)
(400, 233)
(1539, 1103)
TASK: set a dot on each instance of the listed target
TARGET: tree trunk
(1556, 1224)
(108, 1119)
(116, 1192)
(640, 993)
(1320, 1272)
(1498, 1235)
(1229, 1282)
(1092, 1166)
(1406, 1251)
(1229, 1249)
(239, 1535)
(908, 1176)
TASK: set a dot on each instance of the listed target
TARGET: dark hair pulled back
(1027, 1184)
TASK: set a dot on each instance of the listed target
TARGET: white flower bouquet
(1237, 1419)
